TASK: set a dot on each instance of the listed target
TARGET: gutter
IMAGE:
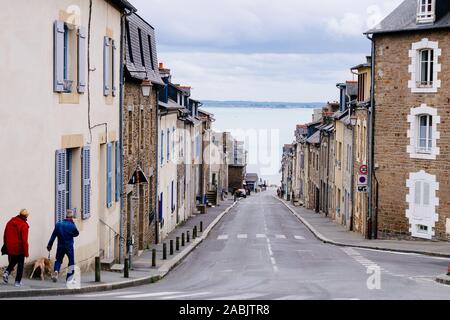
(121, 99)
(372, 215)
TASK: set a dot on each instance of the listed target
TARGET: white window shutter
(58, 56)
(60, 184)
(82, 65)
(86, 180)
(106, 66)
(113, 67)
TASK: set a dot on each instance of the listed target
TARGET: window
(423, 133)
(150, 48)
(130, 131)
(173, 141)
(162, 147)
(422, 201)
(424, 67)
(142, 127)
(426, 11)
(69, 62)
(141, 48)
(362, 80)
(168, 145)
(130, 47)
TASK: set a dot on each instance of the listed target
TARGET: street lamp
(353, 121)
(146, 87)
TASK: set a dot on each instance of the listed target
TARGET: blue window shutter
(58, 56)
(82, 65)
(173, 141)
(60, 185)
(168, 145)
(109, 175)
(113, 64)
(69, 178)
(171, 198)
(106, 66)
(161, 210)
(86, 180)
(118, 172)
(162, 147)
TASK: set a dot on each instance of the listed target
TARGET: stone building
(313, 145)
(412, 123)
(360, 111)
(139, 133)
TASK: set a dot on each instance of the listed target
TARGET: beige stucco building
(63, 121)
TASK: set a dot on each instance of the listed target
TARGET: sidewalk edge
(322, 238)
(164, 270)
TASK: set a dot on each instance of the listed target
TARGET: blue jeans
(60, 253)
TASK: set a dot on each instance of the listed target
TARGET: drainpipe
(372, 216)
(157, 222)
(121, 98)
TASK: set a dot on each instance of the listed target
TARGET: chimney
(165, 73)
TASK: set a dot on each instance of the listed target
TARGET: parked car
(241, 193)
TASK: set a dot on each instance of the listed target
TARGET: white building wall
(35, 120)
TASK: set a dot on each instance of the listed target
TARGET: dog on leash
(44, 264)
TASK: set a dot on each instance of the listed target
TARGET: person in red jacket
(16, 244)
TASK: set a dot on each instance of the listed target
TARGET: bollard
(201, 226)
(171, 247)
(177, 244)
(187, 237)
(182, 239)
(97, 269)
(125, 269)
(164, 251)
(194, 233)
(154, 258)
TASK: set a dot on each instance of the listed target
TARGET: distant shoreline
(262, 105)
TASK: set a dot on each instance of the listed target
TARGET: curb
(163, 270)
(444, 279)
(324, 239)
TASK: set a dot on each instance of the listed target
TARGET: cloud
(287, 50)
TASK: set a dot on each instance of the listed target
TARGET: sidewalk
(329, 232)
(141, 272)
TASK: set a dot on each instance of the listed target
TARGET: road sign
(362, 180)
(362, 189)
(364, 170)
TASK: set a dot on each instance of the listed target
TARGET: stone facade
(394, 101)
(139, 150)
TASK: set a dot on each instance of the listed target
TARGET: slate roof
(404, 18)
(133, 59)
(315, 138)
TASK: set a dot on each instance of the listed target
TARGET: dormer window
(426, 11)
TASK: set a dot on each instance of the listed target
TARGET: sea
(264, 129)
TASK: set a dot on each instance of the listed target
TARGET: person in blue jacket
(65, 231)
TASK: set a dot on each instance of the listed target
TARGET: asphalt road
(261, 251)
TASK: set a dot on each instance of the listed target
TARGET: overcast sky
(263, 50)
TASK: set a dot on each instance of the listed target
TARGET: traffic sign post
(362, 182)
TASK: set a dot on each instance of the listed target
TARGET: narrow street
(261, 251)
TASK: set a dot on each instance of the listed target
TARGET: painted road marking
(109, 294)
(299, 238)
(280, 236)
(261, 236)
(147, 295)
(185, 296)
(242, 236)
(245, 296)
(222, 237)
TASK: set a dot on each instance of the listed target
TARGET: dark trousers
(60, 253)
(19, 261)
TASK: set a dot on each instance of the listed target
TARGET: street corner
(443, 279)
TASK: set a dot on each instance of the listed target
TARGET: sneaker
(17, 284)
(5, 277)
(55, 276)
